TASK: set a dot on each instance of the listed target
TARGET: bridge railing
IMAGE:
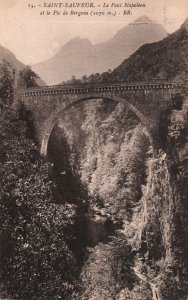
(100, 86)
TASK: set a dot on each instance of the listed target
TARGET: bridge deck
(97, 88)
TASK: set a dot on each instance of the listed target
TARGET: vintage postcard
(93, 150)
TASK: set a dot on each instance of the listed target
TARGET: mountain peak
(149, 59)
(78, 41)
(143, 20)
(79, 56)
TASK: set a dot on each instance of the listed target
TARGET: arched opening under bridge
(54, 117)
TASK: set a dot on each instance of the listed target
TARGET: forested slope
(40, 253)
(167, 59)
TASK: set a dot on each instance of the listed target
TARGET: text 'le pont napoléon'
(91, 4)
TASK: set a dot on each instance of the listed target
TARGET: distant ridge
(79, 56)
(163, 60)
(8, 56)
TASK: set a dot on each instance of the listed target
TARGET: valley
(93, 200)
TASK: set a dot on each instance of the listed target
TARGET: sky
(33, 37)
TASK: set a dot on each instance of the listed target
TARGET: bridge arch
(54, 117)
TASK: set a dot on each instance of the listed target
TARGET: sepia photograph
(93, 150)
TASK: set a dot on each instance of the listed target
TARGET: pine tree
(27, 78)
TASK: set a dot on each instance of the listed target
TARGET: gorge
(104, 214)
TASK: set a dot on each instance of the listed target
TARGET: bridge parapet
(98, 88)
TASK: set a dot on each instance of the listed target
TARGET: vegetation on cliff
(141, 191)
(37, 252)
(110, 152)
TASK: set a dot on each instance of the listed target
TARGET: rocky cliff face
(140, 193)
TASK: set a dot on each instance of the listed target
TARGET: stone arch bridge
(149, 101)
